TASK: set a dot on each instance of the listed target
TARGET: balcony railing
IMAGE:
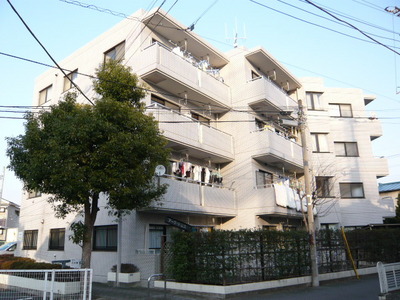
(262, 88)
(276, 149)
(186, 196)
(184, 130)
(266, 202)
(379, 166)
(178, 73)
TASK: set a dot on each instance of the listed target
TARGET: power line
(100, 9)
(330, 20)
(47, 52)
(351, 25)
(350, 17)
(311, 23)
(141, 30)
(369, 4)
(191, 27)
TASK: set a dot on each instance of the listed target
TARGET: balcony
(185, 196)
(193, 137)
(276, 150)
(179, 75)
(262, 94)
(379, 166)
(374, 127)
(264, 199)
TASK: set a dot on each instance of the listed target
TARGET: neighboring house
(345, 170)
(231, 123)
(9, 220)
(390, 191)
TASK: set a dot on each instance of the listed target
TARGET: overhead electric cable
(311, 23)
(350, 17)
(143, 28)
(330, 20)
(351, 25)
(191, 27)
(100, 9)
(369, 4)
(47, 52)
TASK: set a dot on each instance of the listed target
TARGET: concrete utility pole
(308, 191)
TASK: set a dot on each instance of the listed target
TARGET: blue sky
(294, 37)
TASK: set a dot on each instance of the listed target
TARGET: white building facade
(231, 124)
(345, 170)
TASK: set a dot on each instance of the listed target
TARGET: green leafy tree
(77, 152)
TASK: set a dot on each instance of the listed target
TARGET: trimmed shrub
(126, 268)
(24, 263)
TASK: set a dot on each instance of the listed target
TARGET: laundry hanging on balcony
(284, 195)
(196, 173)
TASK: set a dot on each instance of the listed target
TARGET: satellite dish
(160, 170)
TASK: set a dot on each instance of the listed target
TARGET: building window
(57, 237)
(30, 239)
(200, 118)
(340, 110)
(166, 103)
(2, 209)
(105, 238)
(351, 190)
(34, 194)
(314, 101)
(263, 179)
(67, 80)
(44, 95)
(346, 149)
(323, 186)
(157, 235)
(116, 53)
(319, 142)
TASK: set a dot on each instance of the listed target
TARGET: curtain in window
(101, 238)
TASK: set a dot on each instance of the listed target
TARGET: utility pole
(2, 182)
(308, 191)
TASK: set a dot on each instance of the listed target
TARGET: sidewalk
(367, 288)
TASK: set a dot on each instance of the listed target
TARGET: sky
(304, 38)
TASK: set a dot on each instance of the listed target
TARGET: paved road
(367, 288)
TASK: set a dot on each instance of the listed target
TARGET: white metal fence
(46, 284)
(389, 277)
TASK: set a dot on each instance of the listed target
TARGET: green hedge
(232, 257)
(24, 263)
(229, 257)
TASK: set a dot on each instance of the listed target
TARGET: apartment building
(341, 133)
(231, 124)
(9, 220)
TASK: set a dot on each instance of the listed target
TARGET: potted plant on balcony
(129, 273)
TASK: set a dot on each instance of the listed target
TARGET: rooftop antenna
(236, 36)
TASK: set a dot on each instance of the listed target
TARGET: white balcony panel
(374, 128)
(277, 150)
(189, 197)
(379, 166)
(178, 75)
(263, 200)
(262, 91)
(185, 131)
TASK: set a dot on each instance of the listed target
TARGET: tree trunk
(90, 213)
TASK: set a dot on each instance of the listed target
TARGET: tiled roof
(390, 186)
